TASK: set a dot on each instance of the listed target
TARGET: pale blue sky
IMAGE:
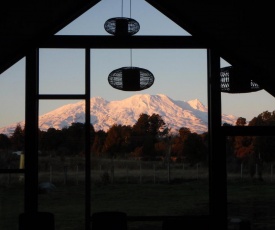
(180, 74)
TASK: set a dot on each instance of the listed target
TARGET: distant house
(18, 153)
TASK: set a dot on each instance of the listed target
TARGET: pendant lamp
(127, 78)
(234, 80)
(121, 26)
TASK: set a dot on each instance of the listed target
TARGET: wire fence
(72, 171)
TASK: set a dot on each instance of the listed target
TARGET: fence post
(51, 174)
(140, 176)
(168, 168)
(257, 175)
(127, 174)
(112, 171)
(241, 170)
(197, 171)
(65, 174)
(154, 173)
(77, 174)
(271, 174)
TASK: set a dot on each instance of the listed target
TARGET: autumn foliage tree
(190, 147)
(146, 132)
(117, 140)
(264, 146)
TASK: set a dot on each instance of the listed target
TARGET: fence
(111, 171)
(135, 171)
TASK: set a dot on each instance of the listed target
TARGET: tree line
(149, 139)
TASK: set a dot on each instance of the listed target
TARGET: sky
(180, 74)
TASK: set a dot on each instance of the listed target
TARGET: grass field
(139, 190)
(249, 200)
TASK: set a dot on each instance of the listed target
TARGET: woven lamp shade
(131, 79)
(233, 80)
(122, 26)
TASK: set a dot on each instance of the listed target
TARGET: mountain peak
(196, 104)
(176, 114)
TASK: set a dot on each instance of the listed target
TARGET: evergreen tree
(5, 142)
(74, 138)
(18, 138)
(146, 133)
(51, 139)
(98, 144)
(241, 121)
(117, 139)
(194, 150)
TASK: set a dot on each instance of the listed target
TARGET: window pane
(61, 71)
(62, 169)
(250, 182)
(12, 113)
(11, 200)
(138, 174)
(243, 104)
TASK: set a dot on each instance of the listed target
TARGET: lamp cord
(131, 57)
(121, 8)
(130, 8)
(130, 17)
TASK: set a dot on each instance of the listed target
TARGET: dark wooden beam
(248, 130)
(217, 147)
(87, 139)
(113, 42)
(31, 132)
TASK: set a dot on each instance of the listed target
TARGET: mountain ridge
(175, 113)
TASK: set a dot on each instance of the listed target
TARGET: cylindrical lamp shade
(131, 79)
(121, 26)
(233, 81)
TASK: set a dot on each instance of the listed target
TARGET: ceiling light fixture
(233, 81)
(127, 78)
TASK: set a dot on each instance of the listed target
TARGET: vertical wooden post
(87, 139)
(31, 132)
(217, 144)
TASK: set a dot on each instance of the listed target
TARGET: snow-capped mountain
(176, 114)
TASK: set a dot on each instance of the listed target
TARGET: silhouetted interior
(239, 33)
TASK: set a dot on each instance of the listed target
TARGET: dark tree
(117, 140)
(146, 133)
(98, 144)
(194, 150)
(184, 132)
(5, 142)
(264, 145)
(18, 138)
(74, 138)
(51, 139)
(157, 126)
(241, 121)
(141, 127)
(243, 146)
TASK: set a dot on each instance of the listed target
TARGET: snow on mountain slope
(176, 114)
